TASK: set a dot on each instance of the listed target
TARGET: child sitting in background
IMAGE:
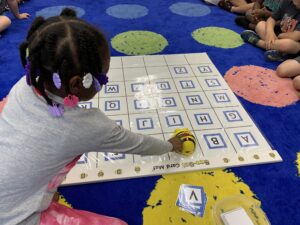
(257, 13)
(280, 34)
(236, 6)
(291, 68)
(42, 130)
(13, 5)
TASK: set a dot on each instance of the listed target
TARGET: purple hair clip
(27, 72)
(56, 110)
(56, 80)
(102, 78)
(97, 86)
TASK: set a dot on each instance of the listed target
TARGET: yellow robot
(188, 141)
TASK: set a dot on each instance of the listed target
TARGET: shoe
(250, 36)
(274, 55)
(225, 4)
(242, 21)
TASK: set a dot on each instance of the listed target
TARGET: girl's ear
(75, 85)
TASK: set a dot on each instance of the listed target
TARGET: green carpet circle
(139, 42)
(218, 37)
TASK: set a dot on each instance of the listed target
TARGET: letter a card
(192, 199)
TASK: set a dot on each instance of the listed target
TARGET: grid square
(164, 85)
(136, 74)
(141, 104)
(112, 89)
(197, 58)
(222, 98)
(118, 160)
(154, 60)
(194, 100)
(172, 120)
(181, 71)
(169, 102)
(113, 106)
(146, 123)
(205, 69)
(245, 139)
(115, 74)
(213, 83)
(133, 61)
(187, 84)
(115, 62)
(177, 59)
(214, 141)
(113, 156)
(121, 120)
(93, 103)
(233, 117)
(203, 119)
(83, 159)
(158, 72)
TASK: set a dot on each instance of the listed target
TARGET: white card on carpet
(236, 217)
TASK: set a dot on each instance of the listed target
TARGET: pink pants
(58, 214)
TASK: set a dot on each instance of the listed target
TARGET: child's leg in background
(242, 9)
(260, 29)
(238, 2)
(290, 68)
(4, 23)
(58, 214)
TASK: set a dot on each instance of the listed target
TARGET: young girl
(43, 132)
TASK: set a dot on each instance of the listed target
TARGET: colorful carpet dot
(56, 10)
(217, 37)
(189, 9)
(139, 42)
(261, 86)
(127, 11)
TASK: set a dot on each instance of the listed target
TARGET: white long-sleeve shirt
(35, 147)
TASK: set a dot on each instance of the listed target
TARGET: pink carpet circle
(261, 86)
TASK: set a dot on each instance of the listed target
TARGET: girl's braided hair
(65, 45)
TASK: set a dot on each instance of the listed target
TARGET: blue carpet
(275, 185)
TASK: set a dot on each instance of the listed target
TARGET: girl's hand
(177, 144)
